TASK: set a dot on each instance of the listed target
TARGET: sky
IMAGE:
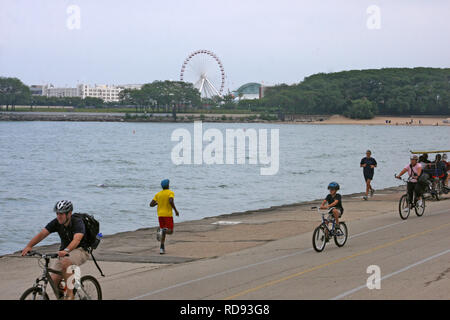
(271, 42)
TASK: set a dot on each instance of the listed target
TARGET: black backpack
(92, 234)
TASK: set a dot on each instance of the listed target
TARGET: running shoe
(158, 234)
(372, 191)
(365, 198)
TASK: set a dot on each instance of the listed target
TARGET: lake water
(113, 170)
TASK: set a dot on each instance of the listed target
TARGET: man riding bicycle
(414, 169)
(71, 231)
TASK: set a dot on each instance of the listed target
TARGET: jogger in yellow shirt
(165, 202)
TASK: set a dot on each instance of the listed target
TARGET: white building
(50, 91)
(105, 92)
(108, 93)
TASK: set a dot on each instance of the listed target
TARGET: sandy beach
(127, 254)
(219, 117)
(381, 120)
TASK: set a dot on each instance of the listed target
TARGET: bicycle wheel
(403, 207)
(420, 209)
(91, 289)
(436, 195)
(319, 239)
(341, 239)
(436, 190)
(34, 294)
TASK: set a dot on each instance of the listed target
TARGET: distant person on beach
(334, 200)
(165, 202)
(368, 164)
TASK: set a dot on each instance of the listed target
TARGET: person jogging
(165, 202)
(368, 164)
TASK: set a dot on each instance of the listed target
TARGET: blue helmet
(165, 184)
(333, 185)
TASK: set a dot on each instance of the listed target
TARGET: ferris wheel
(205, 71)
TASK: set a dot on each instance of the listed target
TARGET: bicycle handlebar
(322, 210)
(400, 178)
(44, 255)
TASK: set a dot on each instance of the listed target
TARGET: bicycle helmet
(333, 185)
(63, 206)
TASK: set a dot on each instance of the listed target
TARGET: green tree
(361, 109)
(13, 92)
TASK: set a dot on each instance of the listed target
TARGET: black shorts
(368, 176)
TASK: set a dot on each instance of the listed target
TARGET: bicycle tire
(86, 279)
(35, 291)
(403, 214)
(343, 227)
(316, 235)
(420, 213)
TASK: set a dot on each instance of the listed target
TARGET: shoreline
(214, 222)
(219, 118)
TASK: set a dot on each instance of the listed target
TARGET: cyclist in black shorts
(334, 200)
(369, 164)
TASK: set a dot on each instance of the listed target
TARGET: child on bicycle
(334, 200)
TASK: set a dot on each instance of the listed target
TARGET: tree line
(155, 96)
(356, 94)
(362, 93)
(162, 95)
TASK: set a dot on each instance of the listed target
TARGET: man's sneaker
(365, 198)
(158, 234)
(372, 191)
(419, 203)
(162, 251)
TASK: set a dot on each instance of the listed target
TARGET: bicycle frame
(325, 221)
(46, 278)
(42, 282)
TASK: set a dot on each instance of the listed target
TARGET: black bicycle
(405, 205)
(323, 233)
(86, 288)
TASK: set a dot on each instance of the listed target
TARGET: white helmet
(63, 206)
